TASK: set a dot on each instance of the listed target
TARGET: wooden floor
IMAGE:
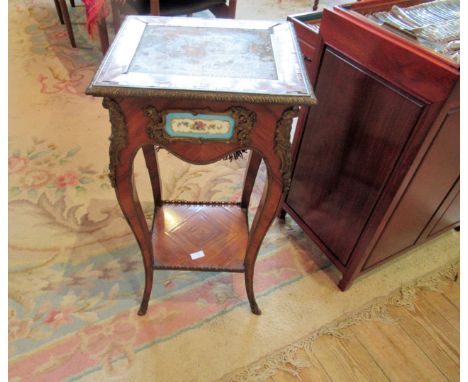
(424, 345)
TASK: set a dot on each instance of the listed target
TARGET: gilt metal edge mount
(108, 91)
(202, 203)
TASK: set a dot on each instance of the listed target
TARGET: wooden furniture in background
(316, 4)
(201, 107)
(376, 161)
(64, 17)
(220, 8)
(101, 26)
(99, 11)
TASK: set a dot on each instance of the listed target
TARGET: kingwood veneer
(202, 90)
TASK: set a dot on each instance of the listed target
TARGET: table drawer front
(232, 125)
(201, 126)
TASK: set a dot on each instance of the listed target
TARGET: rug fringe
(288, 359)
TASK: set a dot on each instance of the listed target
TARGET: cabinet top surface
(432, 25)
(212, 59)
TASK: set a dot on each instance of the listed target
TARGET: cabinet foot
(282, 214)
(344, 284)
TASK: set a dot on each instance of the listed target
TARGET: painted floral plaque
(206, 126)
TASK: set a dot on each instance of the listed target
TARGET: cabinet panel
(351, 142)
(383, 53)
(427, 190)
(450, 217)
(309, 53)
(309, 40)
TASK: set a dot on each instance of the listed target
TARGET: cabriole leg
(278, 164)
(152, 166)
(131, 208)
(263, 218)
(252, 169)
(122, 155)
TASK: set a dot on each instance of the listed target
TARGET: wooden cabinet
(376, 161)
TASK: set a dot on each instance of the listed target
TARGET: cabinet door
(422, 201)
(351, 142)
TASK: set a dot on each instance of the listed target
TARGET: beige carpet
(241, 347)
(75, 272)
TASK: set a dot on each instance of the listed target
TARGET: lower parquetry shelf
(219, 230)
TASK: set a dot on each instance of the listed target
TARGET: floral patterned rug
(75, 271)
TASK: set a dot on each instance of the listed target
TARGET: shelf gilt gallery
(203, 90)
